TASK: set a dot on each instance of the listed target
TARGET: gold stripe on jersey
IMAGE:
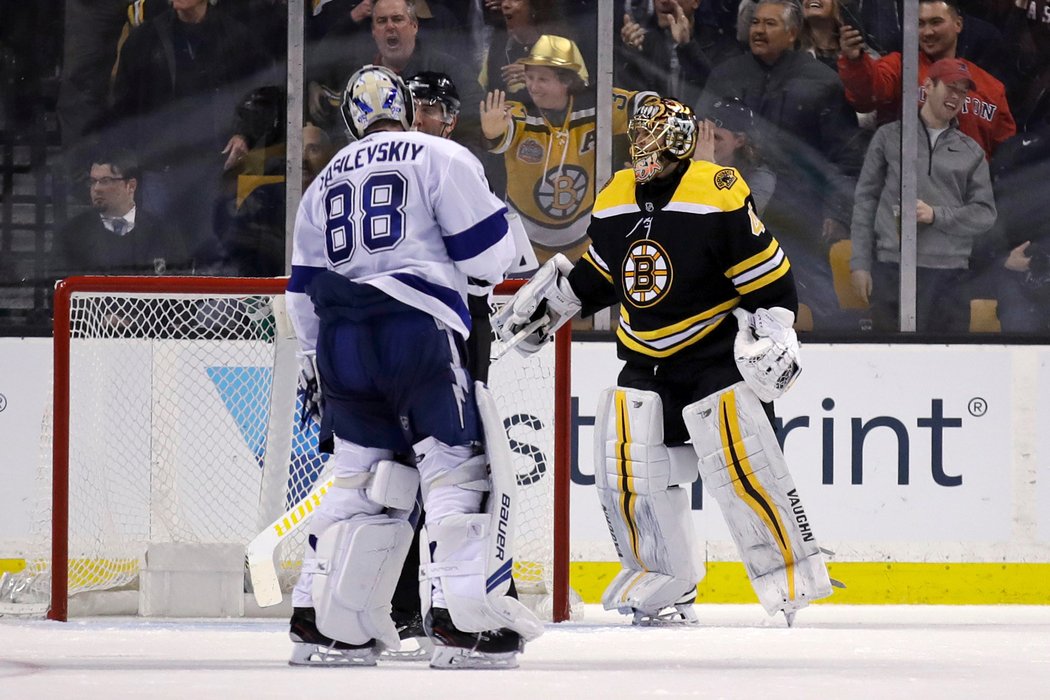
(759, 270)
(624, 477)
(750, 489)
(665, 341)
(600, 265)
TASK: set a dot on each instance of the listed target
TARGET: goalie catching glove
(310, 387)
(766, 351)
(546, 303)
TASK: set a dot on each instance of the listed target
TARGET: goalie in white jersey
(385, 239)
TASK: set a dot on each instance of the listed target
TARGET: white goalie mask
(374, 94)
(661, 131)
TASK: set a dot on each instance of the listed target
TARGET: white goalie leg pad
(356, 570)
(645, 507)
(352, 466)
(744, 470)
(473, 555)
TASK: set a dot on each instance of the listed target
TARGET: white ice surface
(833, 651)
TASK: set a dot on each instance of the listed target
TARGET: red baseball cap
(951, 70)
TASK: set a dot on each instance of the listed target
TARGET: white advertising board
(25, 378)
(906, 444)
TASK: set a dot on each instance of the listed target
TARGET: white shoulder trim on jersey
(693, 208)
(756, 272)
(582, 113)
(616, 211)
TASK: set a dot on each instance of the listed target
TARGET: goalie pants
(392, 375)
(680, 386)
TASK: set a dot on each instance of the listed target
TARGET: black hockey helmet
(433, 87)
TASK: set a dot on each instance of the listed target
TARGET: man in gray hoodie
(955, 205)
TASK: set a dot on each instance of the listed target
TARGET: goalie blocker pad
(647, 511)
(543, 305)
(744, 469)
(474, 553)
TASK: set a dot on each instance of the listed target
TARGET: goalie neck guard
(661, 131)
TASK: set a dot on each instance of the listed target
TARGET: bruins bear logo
(725, 178)
(647, 273)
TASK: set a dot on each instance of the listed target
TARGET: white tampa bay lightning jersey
(410, 214)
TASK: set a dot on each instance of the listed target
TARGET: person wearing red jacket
(875, 84)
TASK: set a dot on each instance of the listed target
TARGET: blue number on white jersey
(407, 213)
(383, 202)
(339, 226)
(381, 212)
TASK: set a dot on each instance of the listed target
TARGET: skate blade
(424, 649)
(315, 655)
(682, 614)
(457, 657)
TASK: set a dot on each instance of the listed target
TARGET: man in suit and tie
(116, 236)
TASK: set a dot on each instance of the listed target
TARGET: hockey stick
(519, 336)
(260, 551)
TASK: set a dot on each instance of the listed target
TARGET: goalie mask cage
(175, 420)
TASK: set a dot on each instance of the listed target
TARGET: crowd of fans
(172, 115)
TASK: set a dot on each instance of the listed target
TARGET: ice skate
(458, 649)
(311, 648)
(681, 613)
(415, 644)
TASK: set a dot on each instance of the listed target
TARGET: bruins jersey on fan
(679, 255)
(550, 167)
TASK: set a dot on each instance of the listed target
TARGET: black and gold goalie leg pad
(744, 469)
(639, 482)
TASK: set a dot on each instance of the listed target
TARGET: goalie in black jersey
(707, 303)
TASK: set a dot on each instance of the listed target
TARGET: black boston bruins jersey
(678, 263)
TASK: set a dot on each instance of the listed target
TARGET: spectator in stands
(726, 138)
(343, 19)
(176, 88)
(810, 139)
(1028, 29)
(667, 51)
(820, 31)
(876, 83)
(525, 21)
(116, 236)
(255, 235)
(955, 205)
(549, 148)
(89, 52)
(395, 44)
(1014, 258)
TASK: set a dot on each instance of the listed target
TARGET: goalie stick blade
(265, 586)
(520, 336)
(259, 554)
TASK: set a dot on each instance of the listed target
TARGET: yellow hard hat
(557, 52)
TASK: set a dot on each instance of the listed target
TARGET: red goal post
(140, 290)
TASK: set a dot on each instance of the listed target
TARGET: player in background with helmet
(437, 107)
(678, 245)
(381, 255)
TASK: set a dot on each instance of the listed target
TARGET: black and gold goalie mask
(661, 131)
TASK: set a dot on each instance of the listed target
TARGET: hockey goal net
(175, 420)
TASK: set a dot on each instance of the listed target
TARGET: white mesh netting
(172, 440)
